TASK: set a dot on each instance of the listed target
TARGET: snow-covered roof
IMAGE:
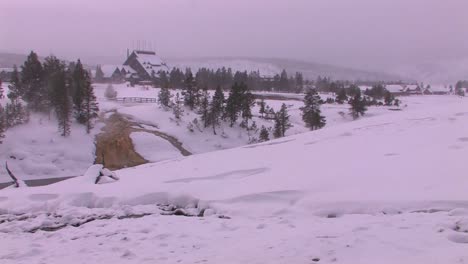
(411, 87)
(127, 69)
(108, 70)
(364, 87)
(394, 88)
(150, 61)
(439, 88)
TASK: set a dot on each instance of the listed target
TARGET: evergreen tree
(2, 124)
(163, 79)
(311, 113)
(79, 82)
(388, 98)
(90, 105)
(247, 101)
(15, 114)
(191, 90)
(284, 81)
(204, 110)
(99, 75)
(262, 106)
(233, 104)
(217, 108)
(299, 81)
(353, 90)
(164, 97)
(177, 109)
(341, 96)
(358, 106)
(15, 89)
(62, 102)
(282, 123)
(1, 90)
(110, 92)
(264, 134)
(32, 79)
(52, 65)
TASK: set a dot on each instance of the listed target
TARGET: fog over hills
(267, 66)
(442, 72)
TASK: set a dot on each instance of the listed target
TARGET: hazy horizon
(363, 34)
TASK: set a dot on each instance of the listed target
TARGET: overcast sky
(361, 33)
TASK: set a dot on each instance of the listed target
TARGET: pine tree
(204, 110)
(15, 114)
(110, 92)
(341, 96)
(264, 134)
(284, 81)
(1, 90)
(217, 108)
(311, 113)
(52, 65)
(15, 89)
(2, 124)
(247, 101)
(299, 80)
(163, 79)
(79, 81)
(62, 101)
(233, 104)
(177, 109)
(32, 79)
(388, 98)
(90, 105)
(99, 75)
(191, 90)
(358, 106)
(164, 97)
(282, 123)
(262, 106)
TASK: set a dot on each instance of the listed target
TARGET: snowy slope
(386, 189)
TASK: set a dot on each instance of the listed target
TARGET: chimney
(128, 53)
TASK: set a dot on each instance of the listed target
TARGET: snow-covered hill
(386, 189)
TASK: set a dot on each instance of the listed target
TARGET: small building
(413, 89)
(396, 89)
(437, 90)
(112, 73)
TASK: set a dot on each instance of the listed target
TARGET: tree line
(225, 78)
(236, 108)
(52, 87)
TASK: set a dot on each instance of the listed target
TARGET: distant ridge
(267, 66)
(271, 66)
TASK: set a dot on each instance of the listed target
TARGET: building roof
(438, 88)
(363, 88)
(150, 61)
(127, 69)
(394, 88)
(109, 70)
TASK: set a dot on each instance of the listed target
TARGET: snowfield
(389, 188)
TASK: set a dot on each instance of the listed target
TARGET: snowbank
(153, 148)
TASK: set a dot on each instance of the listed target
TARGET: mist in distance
(365, 34)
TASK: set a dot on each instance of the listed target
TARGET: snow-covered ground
(153, 148)
(390, 188)
(36, 150)
(202, 139)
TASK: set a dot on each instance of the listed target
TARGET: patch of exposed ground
(115, 146)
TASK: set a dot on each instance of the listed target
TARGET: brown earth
(116, 147)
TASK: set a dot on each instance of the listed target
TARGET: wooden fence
(136, 100)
